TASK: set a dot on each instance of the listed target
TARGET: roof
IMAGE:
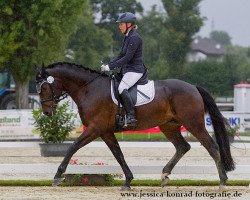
(208, 46)
(242, 85)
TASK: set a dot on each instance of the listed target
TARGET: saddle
(141, 93)
(116, 79)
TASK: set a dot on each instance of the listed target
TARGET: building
(203, 48)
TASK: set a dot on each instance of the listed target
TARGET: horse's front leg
(86, 137)
(114, 146)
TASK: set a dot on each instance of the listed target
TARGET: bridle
(56, 98)
(53, 86)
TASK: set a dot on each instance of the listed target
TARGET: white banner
(16, 124)
(234, 119)
(19, 124)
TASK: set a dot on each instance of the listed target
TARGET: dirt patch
(108, 193)
(133, 156)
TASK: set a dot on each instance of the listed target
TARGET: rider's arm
(133, 44)
(117, 58)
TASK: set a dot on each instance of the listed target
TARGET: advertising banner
(234, 119)
(16, 124)
(19, 124)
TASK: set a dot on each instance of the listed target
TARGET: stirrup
(129, 122)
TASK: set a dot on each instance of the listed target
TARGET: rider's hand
(105, 68)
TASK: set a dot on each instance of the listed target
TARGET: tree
(152, 29)
(33, 32)
(222, 37)
(213, 75)
(90, 43)
(239, 61)
(182, 24)
(110, 9)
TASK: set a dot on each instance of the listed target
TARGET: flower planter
(54, 149)
(88, 179)
(54, 130)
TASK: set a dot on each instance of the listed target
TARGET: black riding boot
(129, 108)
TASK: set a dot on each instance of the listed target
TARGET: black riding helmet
(126, 17)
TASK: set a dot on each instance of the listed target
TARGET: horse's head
(49, 91)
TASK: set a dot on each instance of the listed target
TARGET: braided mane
(75, 65)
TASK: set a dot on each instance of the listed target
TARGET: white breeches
(128, 80)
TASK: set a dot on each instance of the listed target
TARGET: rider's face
(123, 27)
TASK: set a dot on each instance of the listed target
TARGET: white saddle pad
(148, 89)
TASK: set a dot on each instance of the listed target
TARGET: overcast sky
(232, 16)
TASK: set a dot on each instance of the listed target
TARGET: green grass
(141, 137)
(134, 183)
(158, 137)
(247, 133)
(25, 183)
(183, 183)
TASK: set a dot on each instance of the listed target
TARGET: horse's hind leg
(213, 149)
(172, 132)
(114, 147)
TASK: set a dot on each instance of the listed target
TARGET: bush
(56, 128)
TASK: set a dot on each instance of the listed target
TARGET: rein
(56, 99)
(85, 84)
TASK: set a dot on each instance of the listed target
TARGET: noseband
(55, 98)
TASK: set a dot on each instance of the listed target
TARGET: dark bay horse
(176, 103)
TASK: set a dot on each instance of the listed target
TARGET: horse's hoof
(57, 181)
(125, 188)
(222, 187)
(164, 182)
(223, 184)
(164, 179)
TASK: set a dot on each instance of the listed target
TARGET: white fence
(112, 169)
(48, 168)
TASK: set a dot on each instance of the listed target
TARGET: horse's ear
(43, 71)
(38, 72)
(38, 69)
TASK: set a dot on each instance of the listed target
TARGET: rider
(130, 59)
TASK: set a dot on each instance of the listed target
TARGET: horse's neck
(73, 82)
(72, 76)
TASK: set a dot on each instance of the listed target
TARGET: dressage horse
(176, 103)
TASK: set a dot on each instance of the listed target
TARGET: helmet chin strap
(127, 28)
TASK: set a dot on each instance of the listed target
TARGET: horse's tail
(221, 134)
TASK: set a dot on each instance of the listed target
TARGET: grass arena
(142, 154)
